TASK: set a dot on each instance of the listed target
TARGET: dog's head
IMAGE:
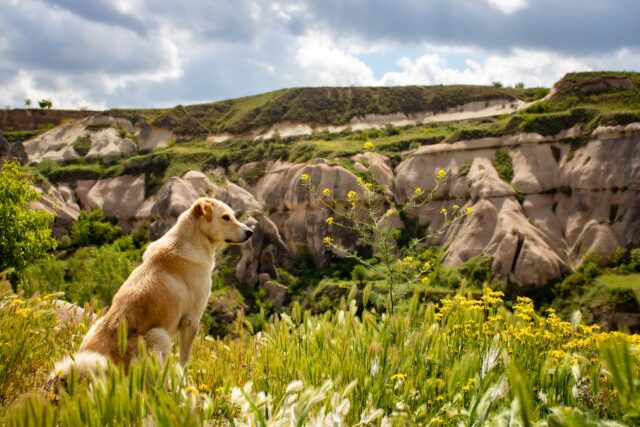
(217, 221)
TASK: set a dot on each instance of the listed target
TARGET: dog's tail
(83, 363)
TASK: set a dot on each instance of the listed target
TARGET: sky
(158, 53)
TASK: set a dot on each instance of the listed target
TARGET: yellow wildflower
(443, 211)
(329, 220)
(327, 240)
(417, 191)
(192, 390)
(468, 210)
(399, 377)
(204, 388)
(425, 280)
(408, 259)
(389, 212)
(352, 196)
(326, 192)
(368, 146)
(305, 178)
(456, 207)
(441, 174)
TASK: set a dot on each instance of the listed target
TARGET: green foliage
(464, 361)
(82, 145)
(92, 228)
(360, 274)
(477, 271)
(553, 123)
(503, 165)
(540, 93)
(25, 235)
(88, 274)
(465, 168)
(45, 103)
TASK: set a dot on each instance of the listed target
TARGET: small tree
(497, 84)
(45, 103)
(519, 85)
(25, 233)
(27, 103)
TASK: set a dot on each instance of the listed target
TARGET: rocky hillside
(549, 180)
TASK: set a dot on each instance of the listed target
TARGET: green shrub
(360, 274)
(540, 93)
(82, 145)
(90, 273)
(503, 165)
(477, 271)
(92, 228)
(25, 235)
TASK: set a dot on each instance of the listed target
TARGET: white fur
(83, 363)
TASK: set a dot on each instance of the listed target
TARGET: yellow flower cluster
(305, 178)
(326, 192)
(328, 241)
(329, 220)
(368, 146)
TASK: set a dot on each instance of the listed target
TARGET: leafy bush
(90, 273)
(503, 165)
(477, 271)
(553, 123)
(92, 228)
(25, 235)
(82, 145)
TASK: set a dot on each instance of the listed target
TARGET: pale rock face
(118, 197)
(299, 214)
(576, 200)
(108, 146)
(82, 188)
(65, 212)
(152, 138)
(380, 169)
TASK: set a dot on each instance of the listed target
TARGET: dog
(164, 296)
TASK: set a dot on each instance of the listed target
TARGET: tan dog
(166, 294)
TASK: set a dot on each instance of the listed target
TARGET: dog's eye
(226, 217)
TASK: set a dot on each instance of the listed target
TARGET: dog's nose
(249, 234)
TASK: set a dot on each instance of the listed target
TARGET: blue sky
(155, 53)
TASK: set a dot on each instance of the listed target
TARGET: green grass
(463, 361)
(321, 106)
(621, 281)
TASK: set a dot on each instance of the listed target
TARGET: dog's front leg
(188, 331)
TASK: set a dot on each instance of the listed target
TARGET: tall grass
(463, 361)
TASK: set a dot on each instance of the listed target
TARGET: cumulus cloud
(324, 63)
(508, 6)
(531, 67)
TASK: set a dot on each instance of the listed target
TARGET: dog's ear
(205, 209)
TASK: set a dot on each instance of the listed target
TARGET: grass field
(463, 361)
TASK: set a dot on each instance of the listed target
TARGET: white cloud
(530, 67)
(508, 6)
(324, 63)
(270, 68)
(67, 94)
